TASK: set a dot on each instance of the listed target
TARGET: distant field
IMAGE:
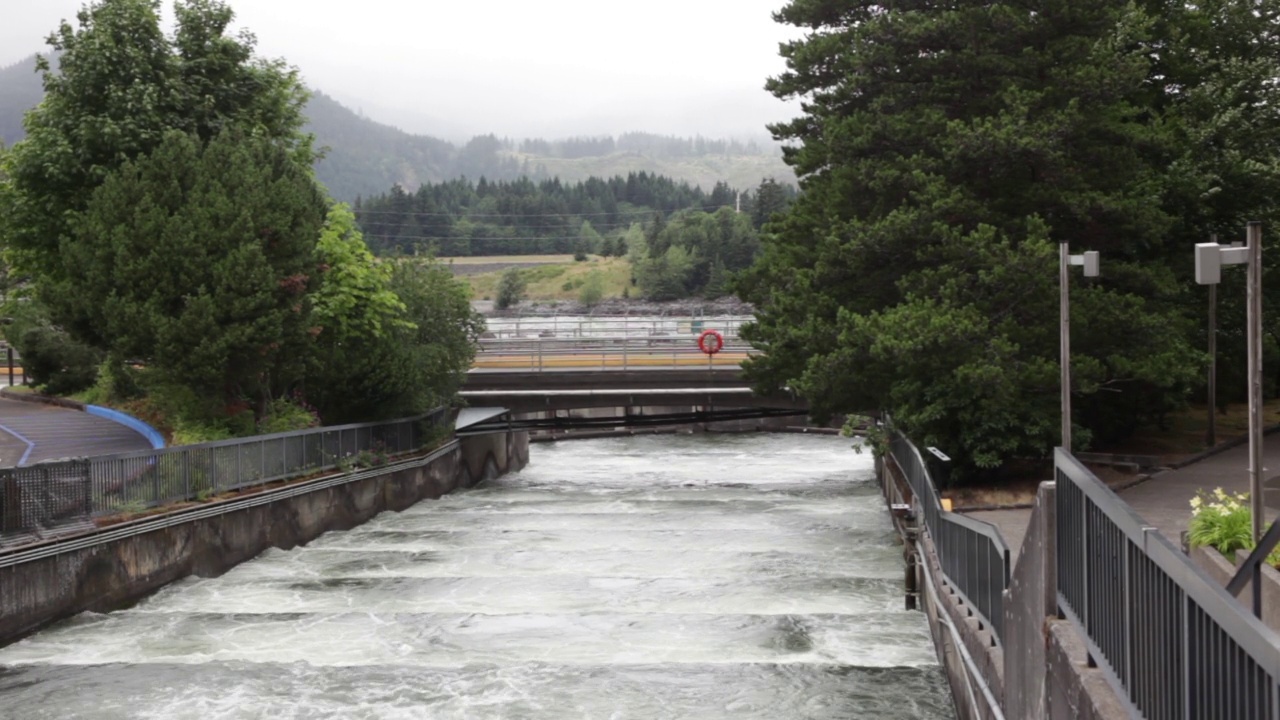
(561, 280)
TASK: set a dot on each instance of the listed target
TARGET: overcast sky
(519, 68)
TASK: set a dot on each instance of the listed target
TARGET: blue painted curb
(151, 434)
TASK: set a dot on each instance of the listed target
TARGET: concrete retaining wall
(114, 573)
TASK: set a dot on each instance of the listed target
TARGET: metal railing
(973, 555)
(603, 352)
(1171, 639)
(42, 497)
(583, 326)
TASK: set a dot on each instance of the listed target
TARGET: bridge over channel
(648, 380)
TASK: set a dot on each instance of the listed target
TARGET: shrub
(54, 360)
(285, 414)
(511, 287)
(592, 290)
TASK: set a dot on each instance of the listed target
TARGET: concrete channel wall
(119, 565)
(1041, 670)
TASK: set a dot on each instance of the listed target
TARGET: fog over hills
(363, 156)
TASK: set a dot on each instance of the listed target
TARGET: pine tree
(944, 152)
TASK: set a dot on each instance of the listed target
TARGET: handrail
(973, 554)
(1169, 638)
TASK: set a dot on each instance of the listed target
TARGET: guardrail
(973, 555)
(45, 496)
(603, 352)
(1171, 639)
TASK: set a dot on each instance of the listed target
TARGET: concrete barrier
(116, 566)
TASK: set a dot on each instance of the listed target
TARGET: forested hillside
(461, 217)
(363, 157)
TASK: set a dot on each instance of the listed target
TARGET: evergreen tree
(122, 85)
(943, 155)
(770, 198)
(198, 261)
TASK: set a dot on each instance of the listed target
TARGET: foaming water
(652, 577)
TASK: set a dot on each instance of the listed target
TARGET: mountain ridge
(362, 156)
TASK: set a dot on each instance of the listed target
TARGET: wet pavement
(34, 432)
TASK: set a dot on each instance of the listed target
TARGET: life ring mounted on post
(711, 342)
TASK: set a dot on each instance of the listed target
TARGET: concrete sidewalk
(1164, 500)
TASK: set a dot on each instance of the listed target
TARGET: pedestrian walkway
(1164, 500)
(33, 432)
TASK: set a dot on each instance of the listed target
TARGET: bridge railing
(973, 554)
(585, 326)
(602, 352)
(44, 496)
(1169, 637)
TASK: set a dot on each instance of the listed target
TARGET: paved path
(1164, 500)
(32, 432)
(1012, 525)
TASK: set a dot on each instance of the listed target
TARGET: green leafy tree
(416, 363)
(198, 261)
(666, 277)
(511, 288)
(943, 154)
(121, 86)
(353, 298)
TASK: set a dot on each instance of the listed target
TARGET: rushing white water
(699, 577)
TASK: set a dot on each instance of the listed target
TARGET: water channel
(654, 577)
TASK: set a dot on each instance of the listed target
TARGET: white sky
(553, 68)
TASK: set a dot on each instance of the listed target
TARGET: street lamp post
(1089, 261)
(1210, 257)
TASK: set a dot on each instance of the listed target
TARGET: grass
(557, 281)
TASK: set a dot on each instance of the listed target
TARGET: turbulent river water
(655, 577)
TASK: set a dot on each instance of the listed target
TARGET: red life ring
(711, 342)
